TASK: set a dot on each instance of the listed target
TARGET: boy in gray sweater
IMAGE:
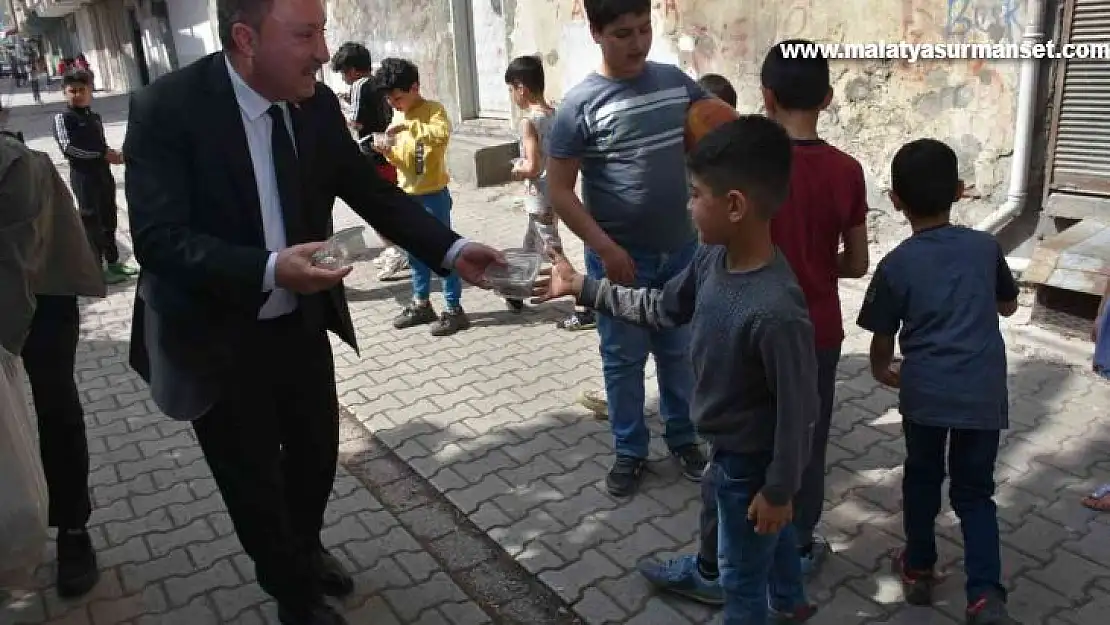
(755, 393)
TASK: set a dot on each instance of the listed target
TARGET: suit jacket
(43, 246)
(196, 224)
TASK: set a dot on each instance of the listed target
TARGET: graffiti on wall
(577, 11)
(794, 20)
(983, 21)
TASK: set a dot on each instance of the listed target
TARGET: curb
(504, 590)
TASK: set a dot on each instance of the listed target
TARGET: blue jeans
(624, 351)
(811, 496)
(971, 457)
(754, 567)
(439, 205)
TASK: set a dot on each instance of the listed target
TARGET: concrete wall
(878, 105)
(419, 30)
(194, 29)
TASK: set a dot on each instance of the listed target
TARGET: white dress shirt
(253, 109)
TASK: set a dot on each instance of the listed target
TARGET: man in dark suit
(233, 165)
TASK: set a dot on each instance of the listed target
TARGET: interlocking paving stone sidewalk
(488, 418)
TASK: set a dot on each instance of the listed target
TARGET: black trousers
(95, 191)
(272, 443)
(48, 357)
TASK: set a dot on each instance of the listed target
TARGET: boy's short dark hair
(396, 73)
(925, 175)
(799, 83)
(752, 155)
(351, 55)
(719, 86)
(77, 76)
(601, 13)
(527, 72)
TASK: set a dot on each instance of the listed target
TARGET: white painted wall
(194, 30)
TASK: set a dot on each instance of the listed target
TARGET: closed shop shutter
(1079, 163)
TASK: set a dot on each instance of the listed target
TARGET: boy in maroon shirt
(827, 207)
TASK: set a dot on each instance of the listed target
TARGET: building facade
(128, 43)
(1060, 144)
(462, 47)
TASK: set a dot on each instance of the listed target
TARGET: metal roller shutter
(1080, 153)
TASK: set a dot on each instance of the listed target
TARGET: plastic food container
(343, 248)
(518, 277)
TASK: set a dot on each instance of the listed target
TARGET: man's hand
(619, 267)
(560, 280)
(113, 157)
(474, 260)
(395, 130)
(769, 519)
(295, 271)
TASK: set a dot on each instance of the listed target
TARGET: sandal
(1099, 500)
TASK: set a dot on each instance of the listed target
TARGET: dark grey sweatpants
(811, 497)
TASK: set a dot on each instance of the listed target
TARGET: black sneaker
(514, 304)
(796, 617)
(989, 609)
(692, 460)
(917, 586)
(578, 320)
(625, 476)
(414, 315)
(77, 567)
(450, 322)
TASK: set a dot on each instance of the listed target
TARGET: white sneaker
(386, 255)
(393, 266)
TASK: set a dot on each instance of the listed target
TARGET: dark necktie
(288, 174)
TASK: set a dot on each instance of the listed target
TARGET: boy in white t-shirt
(525, 78)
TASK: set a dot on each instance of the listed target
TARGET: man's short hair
(753, 155)
(719, 86)
(77, 76)
(527, 72)
(601, 13)
(396, 73)
(799, 84)
(231, 12)
(925, 174)
(351, 55)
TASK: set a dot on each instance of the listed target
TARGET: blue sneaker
(811, 561)
(681, 577)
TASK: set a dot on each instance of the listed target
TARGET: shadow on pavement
(535, 482)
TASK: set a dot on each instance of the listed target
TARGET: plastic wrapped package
(23, 497)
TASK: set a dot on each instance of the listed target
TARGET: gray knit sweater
(752, 350)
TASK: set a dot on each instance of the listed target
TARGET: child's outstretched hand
(768, 518)
(560, 280)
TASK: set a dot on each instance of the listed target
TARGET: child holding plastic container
(525, 78)
(416, 144)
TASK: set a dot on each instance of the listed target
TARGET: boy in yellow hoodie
(419, 135)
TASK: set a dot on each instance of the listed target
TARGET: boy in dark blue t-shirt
(941, 292)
